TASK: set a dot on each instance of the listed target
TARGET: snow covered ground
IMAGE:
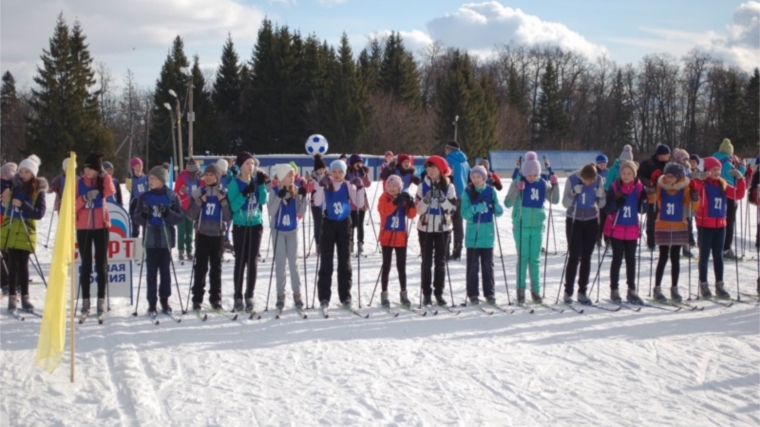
(598, 368)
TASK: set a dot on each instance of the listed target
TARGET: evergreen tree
(345, 118)
(227, 98)
(12, 123)
(207, 135)
(550, 117)
(171, 78)
(369, 66)
(65, 115)
(620, 115)
(398, 73)
(731, 108)
(311, 77)
(514, 93)
(751, 115)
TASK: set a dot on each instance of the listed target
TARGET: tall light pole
(174, 141)
(190, 114)
(180, 159)
(456, 119)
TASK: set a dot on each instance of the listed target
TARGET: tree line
(384, 98)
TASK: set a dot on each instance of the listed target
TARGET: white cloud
(739, 45)
(330, 2)
(415, 41)
(478, 27)
(116, 29)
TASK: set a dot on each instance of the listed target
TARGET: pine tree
(171, 78)
(620, 115)
(206, 131)
(750, 117)
(345, 118)
(550, 117)
(514, 93)
(12, 123)
(65, 115)
(369, 66)
(227, 98)
(311, 77)
(398, 75)
(730, 114)
(453, 92)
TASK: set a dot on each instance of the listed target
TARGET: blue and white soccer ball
(316, 144)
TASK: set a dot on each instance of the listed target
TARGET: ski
(450, 310)
(523, 306)
(741, 301)
(550, 307)
(301, 313)
(573, 308)
(430, 309)
(83, 318)
(352, 310)
(665, 303)
(279, 314)
(153, 318)
(172, 316)
(719, 302)
(689, 306)
(391, 311)
(601, 307)
(225, 313)
(480, 307)
(635, 308)
(502, 309)
(756, 296)
(15, 314)
(662, 307)
(201, 315)
(421, 312)
(34, 313)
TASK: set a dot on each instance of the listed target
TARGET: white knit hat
(32, 163)
(282, 170)
(222, 165)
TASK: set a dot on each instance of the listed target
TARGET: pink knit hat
(395, 180)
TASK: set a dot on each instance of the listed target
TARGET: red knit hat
(440, 163)
(711, 162)
(402, 157)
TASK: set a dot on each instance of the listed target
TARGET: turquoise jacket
(483, 230)
(612, 175)
(241, 216)
(529, 217)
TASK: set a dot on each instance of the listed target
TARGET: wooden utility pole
(190, 120)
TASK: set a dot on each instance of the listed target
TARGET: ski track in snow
(598, 368)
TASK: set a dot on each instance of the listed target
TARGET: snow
(599, 368)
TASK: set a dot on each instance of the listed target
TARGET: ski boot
(404, 299)
(346, 303)
(568, 297)
(196, 306)
(26, 305)
(491, 300)
(101, 306)
(536, 297)
(474, 300)
(520, 295)
(216, 305)
(238, 306)
(440, 301)
(351, 248)
(687, 252)
(189, 256)
(228, 247)
(361, 248)
(85, 306)
(12, 303)
(729, 255)
(384, 301)
(615, 296)
(582, 298)
(152, 308)
(674, 295)
(633, 298)
(720, 291)
(704, 289)
(297, 300)
(181, 255)
(426, 300)
(657, 294)
(456, 254)
(280, 301)
(249, 305)
(165, 307)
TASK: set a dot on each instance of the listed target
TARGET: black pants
(357, 219)
(458, 224)
(18, 267)
(622, 248)
(433, 257)
(675, 264)
(208, 250)
(400, 266)
(581, 247)
(158, 261)
(651, 218)
(485, 257)
(316, 215)
(86, 239)
(246, 241)
(711, 241)
(602, 219)
(731, 208)
(335, 233)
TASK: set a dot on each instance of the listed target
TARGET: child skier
(245, 193)
(210, 210)
(24, 203)
(358, 170)
(583, 197)
(480, 208)
(56, 185)
(676, 201)
(93, 227)
(336, 198)
(602, 171)
(493, 179)
(137, 185)
(394, 206)
(711, 222)
(6, 175)
(287, 207)
(403, 169)
(626, 199)
(187, 182)
(116, 198)
(159, 211)
(436, 201)
(528, 192)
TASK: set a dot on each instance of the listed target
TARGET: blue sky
(138, 33)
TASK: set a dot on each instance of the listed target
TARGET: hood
(676, 186)
(456, 157)
(721, 156)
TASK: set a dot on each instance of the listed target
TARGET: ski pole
(599, 268)
(36, 263)
(171, 260)
(736, 243)
(139, 278)
(503, 268)
(50, 227)
(305, 279)
(271, 270)
(567, 254)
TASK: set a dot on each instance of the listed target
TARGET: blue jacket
(726, 166)
(460, 170)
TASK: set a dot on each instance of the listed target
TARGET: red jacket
(182, 181)
(703, 220)
(93, 218)
(385, 206)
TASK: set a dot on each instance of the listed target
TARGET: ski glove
(520, 185)
(480, 208)
(250, 188)
(163, 210)
(282, 193)
(553, 179)
(183, 190)
(600, 192)
(735, 173)
(619, 201)
(91, 195)
(327, 182)
(302, 191)
(357, 183)
(145, 211)
(261, 177)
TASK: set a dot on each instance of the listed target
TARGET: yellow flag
(53, 329)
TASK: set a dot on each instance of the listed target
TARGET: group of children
(669, 194)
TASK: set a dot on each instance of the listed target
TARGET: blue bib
(337, 205)
(716, 201)
(587, 198)
(252, 201)
(92, 204)
(112, 197)
(672, 206)
(285, 218)
(153, 200)
(139, 186)
(212, 209)
(485, 196)
(192, 184)
(629, 213)
(396, 221)
(431, 210)
(405, 178)
(534, 194)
